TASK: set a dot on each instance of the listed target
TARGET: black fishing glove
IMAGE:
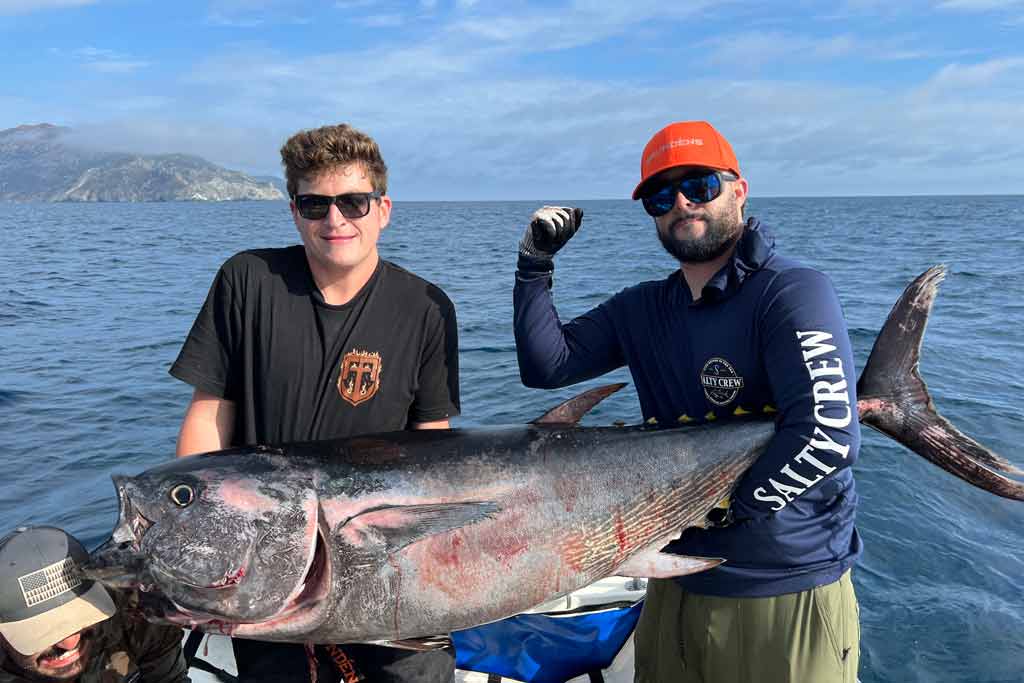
(549, 229)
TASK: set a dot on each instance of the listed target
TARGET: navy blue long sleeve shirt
(767, 336)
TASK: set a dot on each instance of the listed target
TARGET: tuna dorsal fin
(396, 526)
(570, 412)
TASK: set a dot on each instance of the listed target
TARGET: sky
(481, 99)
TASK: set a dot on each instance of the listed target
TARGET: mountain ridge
(38, 163)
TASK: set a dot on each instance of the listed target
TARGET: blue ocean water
(97, 298)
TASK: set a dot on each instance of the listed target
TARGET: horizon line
(9, 200)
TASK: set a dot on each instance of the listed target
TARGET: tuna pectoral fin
(894, 399)
(396, 526)
(654, 564)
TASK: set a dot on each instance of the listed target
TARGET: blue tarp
(545, 648)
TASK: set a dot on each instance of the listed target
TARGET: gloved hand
(549, 229)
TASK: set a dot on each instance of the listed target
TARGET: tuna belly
(448, 582)
(466, 579)
(530, 554)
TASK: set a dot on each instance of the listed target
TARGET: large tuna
(395, 537)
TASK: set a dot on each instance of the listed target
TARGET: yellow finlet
(710, 417)
(652, 421)
(739, 411)
(769, 408)
(684, 419)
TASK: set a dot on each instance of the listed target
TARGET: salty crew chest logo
(721, 382)
(359, 376)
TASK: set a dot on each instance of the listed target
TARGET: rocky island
(37, 163)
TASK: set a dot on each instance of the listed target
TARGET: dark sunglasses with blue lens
(314, 207)
(699, 188)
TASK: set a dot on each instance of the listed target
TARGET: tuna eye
(182, 495)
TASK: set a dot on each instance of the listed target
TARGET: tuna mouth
(131, 527)
(119, 563)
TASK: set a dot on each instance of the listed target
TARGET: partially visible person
(737, 329)
(318, 341)
(55, 626)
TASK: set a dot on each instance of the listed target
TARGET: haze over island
(44, 162)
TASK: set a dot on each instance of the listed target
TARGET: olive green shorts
(808, 637)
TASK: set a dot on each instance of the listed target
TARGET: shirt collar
(752, 252)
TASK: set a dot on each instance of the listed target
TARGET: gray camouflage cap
(43, 598)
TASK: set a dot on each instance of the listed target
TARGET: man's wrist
(534, 265)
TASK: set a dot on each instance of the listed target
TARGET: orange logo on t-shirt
(359, 376)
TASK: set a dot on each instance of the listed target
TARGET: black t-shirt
(299, 369)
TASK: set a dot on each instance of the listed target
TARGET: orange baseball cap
(686, 143)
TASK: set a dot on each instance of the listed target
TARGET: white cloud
(90, 52)
(583, 22)
(905, 54)
(455, 118)
(979, 5)
(755, 49)
(261, 74)
(355, 4)
(233, 21)
(514, 29)
(116, 66)
(584, 136)
(26, 6)
(102, 60)
(382, 20)
(235, 146)
(252, 14)
(451, 114)
(16, 111)
(960, 76)
(139, 104)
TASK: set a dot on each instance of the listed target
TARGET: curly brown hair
(309, 153)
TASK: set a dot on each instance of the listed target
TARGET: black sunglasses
(699, 189)
(314, 207)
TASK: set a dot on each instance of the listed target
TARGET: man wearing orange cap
(56, 627)
(737, 330)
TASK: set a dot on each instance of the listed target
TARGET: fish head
(228, 542)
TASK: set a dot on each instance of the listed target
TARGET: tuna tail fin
(893, 398)
(570, 412)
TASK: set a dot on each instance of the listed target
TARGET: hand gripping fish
(396, 537)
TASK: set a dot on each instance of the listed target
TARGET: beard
(722, 232)
(31, 667)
